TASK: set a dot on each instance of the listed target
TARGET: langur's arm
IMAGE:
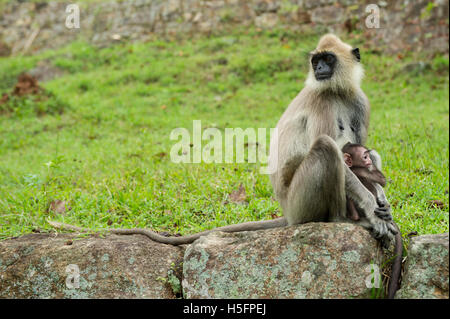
(356, 191)
(383, 209)
(381, 196)
(289, 168)
(376, 159)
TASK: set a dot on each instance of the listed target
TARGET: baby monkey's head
(356, 155)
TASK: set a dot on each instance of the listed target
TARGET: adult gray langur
(310, 179)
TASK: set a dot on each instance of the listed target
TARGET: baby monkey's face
(361, 157)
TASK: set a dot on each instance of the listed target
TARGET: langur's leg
(317, 189)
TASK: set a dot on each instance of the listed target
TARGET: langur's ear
(356, 54)
(348, 159)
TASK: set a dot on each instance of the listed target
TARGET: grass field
(100, 140)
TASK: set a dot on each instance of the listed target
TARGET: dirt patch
(26, 84)
(28, 95)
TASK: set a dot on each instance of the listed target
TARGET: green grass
(106, 150)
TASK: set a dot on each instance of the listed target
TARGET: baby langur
(357, 158)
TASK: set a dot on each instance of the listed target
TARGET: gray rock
(310, 4)
(411, 26)
(426, 270)
(266, 20)
(262, 6)
(4, 49)
(45, 266)
(328, 15)
(315, 260)
(170, 9)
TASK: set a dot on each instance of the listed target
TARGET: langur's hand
(383, 230)
(386, 240)
(383, 212)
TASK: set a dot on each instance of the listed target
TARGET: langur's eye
(329, 59)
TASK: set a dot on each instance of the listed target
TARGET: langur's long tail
(394, 282)
(248, 226)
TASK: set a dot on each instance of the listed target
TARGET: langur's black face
(323, 65)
